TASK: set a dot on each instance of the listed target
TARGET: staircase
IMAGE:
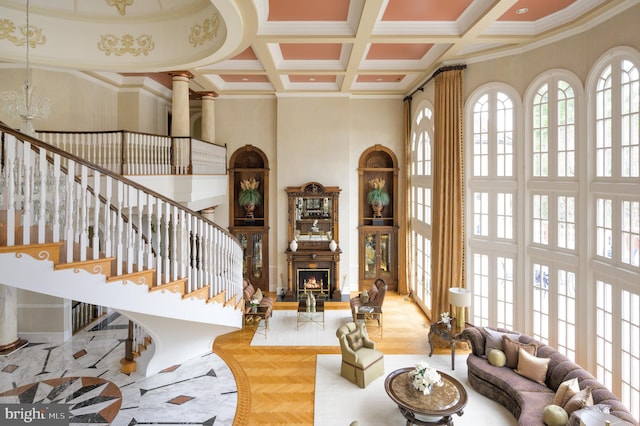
(74, 230)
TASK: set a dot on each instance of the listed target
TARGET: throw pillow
(355, 340)
(364, 296)
(497, 358)
(531, 367)
(493, 340)
(511, 348)
(258, 296)
(554, 415)
(580, 400)
(565, 391)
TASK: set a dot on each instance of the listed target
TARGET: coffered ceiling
(380, 47)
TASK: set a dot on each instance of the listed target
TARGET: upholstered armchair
(361, 361)
(374, 297)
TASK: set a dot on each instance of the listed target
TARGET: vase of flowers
(423, 378)
(446, 319)
(377, 196)
(249, 196)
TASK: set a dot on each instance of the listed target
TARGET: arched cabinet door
(249, 211)
(378, 217)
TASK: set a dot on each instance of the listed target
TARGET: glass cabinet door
(253, 243)
(378, 255)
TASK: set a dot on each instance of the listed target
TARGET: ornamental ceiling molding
(119, 46)
(10, 31)
(121, 5)
(205, 32)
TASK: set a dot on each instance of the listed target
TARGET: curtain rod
(435, 73)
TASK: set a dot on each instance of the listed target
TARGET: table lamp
(460, 298)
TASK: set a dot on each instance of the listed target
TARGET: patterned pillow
(258, 296)
(512, 347)
(355, 340)
(565, 391)
(373, 292)
(364, 296)
(580, 400)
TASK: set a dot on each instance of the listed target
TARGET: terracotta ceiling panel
(312, 78)
(535, 9)
(239, 78)
(380, 78)
(307, 51)
(397, 51)
(308, 10)
(425, 10)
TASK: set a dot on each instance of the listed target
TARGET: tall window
(421, 187)
(552, 191)
(491, 204)
(615, 155)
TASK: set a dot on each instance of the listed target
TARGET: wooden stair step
(139, 277)
(44, 251)
(177, 286)
(93, 266)
(201, 293)
(219, 298)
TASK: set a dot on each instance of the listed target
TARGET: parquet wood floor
(276, 384)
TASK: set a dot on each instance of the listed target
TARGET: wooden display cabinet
(252, 230)
(313, 224)
(378, 235)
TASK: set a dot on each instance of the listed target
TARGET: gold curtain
(405, 253)
(447, 245)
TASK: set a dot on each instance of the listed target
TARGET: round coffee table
(440, 404)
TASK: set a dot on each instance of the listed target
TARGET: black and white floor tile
(84, 373)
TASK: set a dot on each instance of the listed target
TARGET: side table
(258, 316)
(450, 333)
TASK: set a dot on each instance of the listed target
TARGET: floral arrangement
(249, 193)
(445, 318)
(377, 194)
(424, 377)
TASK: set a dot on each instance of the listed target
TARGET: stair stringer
(174, 342)
(181, 328)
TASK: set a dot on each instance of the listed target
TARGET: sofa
(525, 398)
(250, 293)
(372, 297)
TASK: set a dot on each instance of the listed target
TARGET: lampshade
(459, 296)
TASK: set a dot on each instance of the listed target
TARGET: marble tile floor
(84, 373)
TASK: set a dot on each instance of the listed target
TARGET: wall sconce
(461, 299)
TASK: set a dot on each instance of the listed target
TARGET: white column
(208, 130)
(9, 340)
(209, 213)
(180, 104)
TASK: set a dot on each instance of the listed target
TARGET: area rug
(284, 329)
(339, 402)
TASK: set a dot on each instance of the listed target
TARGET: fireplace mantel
(307, 260)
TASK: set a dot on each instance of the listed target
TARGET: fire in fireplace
(315, 280)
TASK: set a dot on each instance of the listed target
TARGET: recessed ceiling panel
(312, 78)
(302, 51)
(397, 51)
(425, 10)
(308, 10)
(533, 10)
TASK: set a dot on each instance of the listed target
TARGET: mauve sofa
(524, 398)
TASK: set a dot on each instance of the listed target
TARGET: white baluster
(55, 185)
(43, 173)
(96, 215)
(70, 206)
(27, 191)
(83, 212)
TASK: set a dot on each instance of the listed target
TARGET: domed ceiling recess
(118, 35)
(253, 47)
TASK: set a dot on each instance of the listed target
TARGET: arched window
(552, 207)
(421, 187)
(614, 153)
(491, 203)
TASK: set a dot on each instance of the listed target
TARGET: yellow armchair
(361, 361)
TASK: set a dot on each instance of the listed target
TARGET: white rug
(339, 402)
(284, 330)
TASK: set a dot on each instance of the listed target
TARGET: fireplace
(315, 281)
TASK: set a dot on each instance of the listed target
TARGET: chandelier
(25, 104)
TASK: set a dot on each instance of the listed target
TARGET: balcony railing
(132, 153)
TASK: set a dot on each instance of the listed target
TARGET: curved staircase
(74, 230)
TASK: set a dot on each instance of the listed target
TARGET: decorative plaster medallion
(109, 44)
(121, 5)
(9, 31)
(205, 32)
